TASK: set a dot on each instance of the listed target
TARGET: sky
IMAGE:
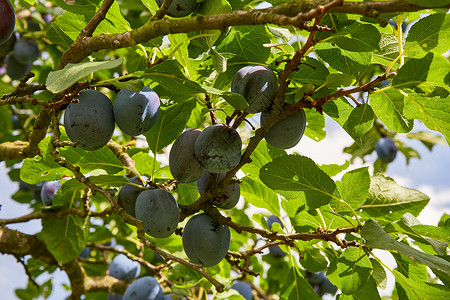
(429, 175)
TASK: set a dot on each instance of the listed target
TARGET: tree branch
(292, 13)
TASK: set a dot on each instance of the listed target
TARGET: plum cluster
(156, 208)
(91, 120)
(20, 54)
(205, 157)
(259, 85)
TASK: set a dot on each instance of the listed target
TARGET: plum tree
(226, 200)
(128, 194)
(90, 121)
(244, 288)
(158, 210)
(218, 148)
(7, 20)
(15, 69)
(144, 288)
(26, 51)
(136, 112)
(123, 268)
(180, 8)
(48, 191)
(257, 84)
(205, 241)
(333, 59)
(182, 163)
(286, 133)
(275, 251)
(386, 149)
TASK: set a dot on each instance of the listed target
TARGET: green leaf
(170, 77)
(315, 125)
(356, 121)
(42, 168)
(376, 237)
(351, 270)
(64, 237)
(296, 287)
(102, 158)
(336, 80)
(431, 33)
(259, 195)
(334, 169)
(353, 63)
(311, 71)
(421, 290)
(353, 189)
(408, 220)
(433, 112)
(379, 274)
(246, 43)
(299, 173)
(356, 37)
(57, 36)
(304, 221)
(170, 124)
(429, 139)
(219, 61)
(314, 260)
(263, 154)
(388, 200)
(144, 163)
(368, 292)
(423, 74)
(410, 268)
(281, 32)
(58, 81)
(440, 233)
(236, 100)
(388, 105)
(388, 51)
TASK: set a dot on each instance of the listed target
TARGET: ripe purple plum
(15, 69)
(8, 45)
(48, 191)
(230, 196)
(258, 85)
(128, 194)
(286, 133)
(182, 163)
(244, 288)
(158, 210)
(26, 51)
(218, 148)
(180, 8)
(144, 288)
(136, 112)
(205, 241)
(123, 268)
(7, 20)
(386, 149)
(90, 121)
